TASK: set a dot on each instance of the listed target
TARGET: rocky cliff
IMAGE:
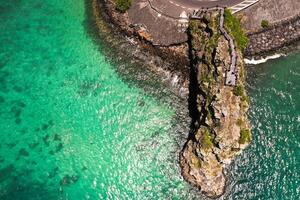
(220, 128)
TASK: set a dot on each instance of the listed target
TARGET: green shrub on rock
(206, 141)
(123, 5)
(264, 23)
(245, 136)
(245, 98)
(238, 90)
(233, 24)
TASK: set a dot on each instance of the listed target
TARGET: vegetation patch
(239, 122)
(195, 161)
(206, 76)
(242, 73)
(233, 24)
(245, 98)
(196, 30)
(194, 26)
(206, 141)
(245, 136)
(123, 5)
(238, 90)
(264, 23)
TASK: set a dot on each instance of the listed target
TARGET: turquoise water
(72, 128)
(270, 167)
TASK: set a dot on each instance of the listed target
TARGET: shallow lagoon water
(72, 128)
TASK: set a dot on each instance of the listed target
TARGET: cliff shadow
(193, 91)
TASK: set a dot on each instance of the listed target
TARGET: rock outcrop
(220, 128)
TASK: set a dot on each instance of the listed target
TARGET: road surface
(174, 8)
(205, 3)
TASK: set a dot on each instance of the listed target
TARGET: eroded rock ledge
(220, 128)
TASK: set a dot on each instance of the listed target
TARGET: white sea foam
(262, 60)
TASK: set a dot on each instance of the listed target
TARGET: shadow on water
(134, 70)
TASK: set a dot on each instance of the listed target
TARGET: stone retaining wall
(274, 38)
(271, 10)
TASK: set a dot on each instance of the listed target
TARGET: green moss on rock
(238, 90)
(264, 23)
(245, 136)
(245, 98)
(123, 5)
(206, 141)
(233, 24)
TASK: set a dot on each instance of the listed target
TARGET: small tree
(264, 23)
(123, 5)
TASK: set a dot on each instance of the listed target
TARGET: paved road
(174, 8)
(205, 3)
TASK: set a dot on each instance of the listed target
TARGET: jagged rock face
(221, 111)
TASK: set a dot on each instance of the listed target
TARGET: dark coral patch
(6, 172)
(23, 152)
(45, 139)
(18, 89)
(59, 147)
(84, 168)
(67, 180)
(19, 103)
(56, 137)
(53, 173)
(18, 121)
(3, 81)
(141, 103)
(2, 100)
(24, 130)
(33, 145)
(11, 145)
(16, 111)
(45, 127)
